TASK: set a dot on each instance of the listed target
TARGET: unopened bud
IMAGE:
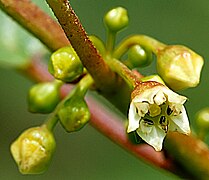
(43, 97)
(33, 150)
(179, 67)
(116, 19)
(65, 64)
(139, 57)
(202, 121)
(74, 114)
(154, 77)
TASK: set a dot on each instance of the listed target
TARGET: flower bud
(33, 150)
(65, 65)
(97, 42)
(179, 67)
(43, 97)
(116, 19)
(139, 57)
(202, 121)
(74, 114)
(154, 77)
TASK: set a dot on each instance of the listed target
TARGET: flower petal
(154, 138)
(134, 118)
(180, 123)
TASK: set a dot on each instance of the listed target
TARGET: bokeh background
(88, 154)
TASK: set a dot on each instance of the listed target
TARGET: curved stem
(142, 40)
(130, 78)
(80, 89)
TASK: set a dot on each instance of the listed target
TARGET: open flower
(155, 110)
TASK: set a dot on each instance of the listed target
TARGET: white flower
(155, 110)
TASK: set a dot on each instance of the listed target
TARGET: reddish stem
(32, 18)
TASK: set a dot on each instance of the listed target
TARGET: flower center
(158, 115)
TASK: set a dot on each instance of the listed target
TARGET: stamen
(148, 122)
(162, 119)
(169, 111)
(164, 123)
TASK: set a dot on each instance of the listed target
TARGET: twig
(103, 76)
(32, 18)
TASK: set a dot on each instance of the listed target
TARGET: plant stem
(111, 36)
(190, 152)
(130, 78)
(142, 40)
(111, 126)
(80, 89)
(32, 18)
(104, 78)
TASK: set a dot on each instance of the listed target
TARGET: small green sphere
(139, 57)
(202, 119)
(116, 19)
(43, 97)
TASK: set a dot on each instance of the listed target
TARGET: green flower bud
(97, 42)
(74, 114)
(139, 57)
(116, 19)
(202, 121)
(65, 65)
(154, 77)
(179, 67)
(43, 97)
(33, 150)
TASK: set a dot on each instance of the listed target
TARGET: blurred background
(88, 154)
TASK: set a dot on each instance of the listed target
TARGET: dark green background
(88, 154)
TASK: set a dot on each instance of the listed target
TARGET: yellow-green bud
(139, 57)
(179, 67)
(33, 150)
(202, 121)
(74, 114)
(154, 77)
(116, 19)
(65, 64)
(43, 97)
(97, 42)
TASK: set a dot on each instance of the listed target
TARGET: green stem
(142, 40)
(80, 90)
(111, 36)
(128, 76)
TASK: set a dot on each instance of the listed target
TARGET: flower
(155, 110)
(33, 150)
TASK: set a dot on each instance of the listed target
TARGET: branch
(112, 127)
(104, 78)
(37, 22)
